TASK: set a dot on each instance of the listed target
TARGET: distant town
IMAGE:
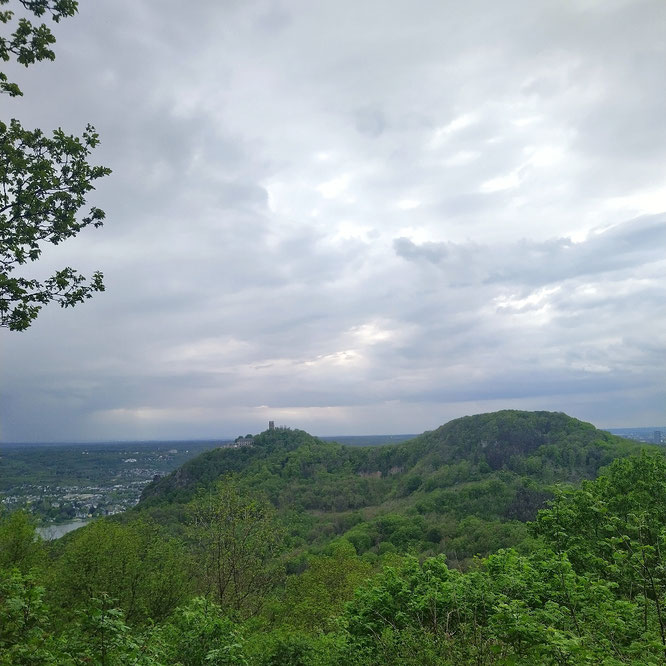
(60, 483)
(647, 435)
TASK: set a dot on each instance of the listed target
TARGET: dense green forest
(505, 538)
(464, 489)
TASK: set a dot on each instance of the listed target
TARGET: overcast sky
(353, 217)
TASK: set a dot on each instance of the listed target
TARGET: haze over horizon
(353, 218)
(255, 429)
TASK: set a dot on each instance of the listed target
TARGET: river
(51, 532)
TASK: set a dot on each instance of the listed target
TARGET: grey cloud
(632, 244)
(234, 282)
(370, 121)
(275, 19)
(432, 252)
(520, 384)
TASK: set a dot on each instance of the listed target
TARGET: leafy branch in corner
(43, 183)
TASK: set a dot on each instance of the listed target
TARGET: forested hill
(464, 489)
(300, 551)
(564, 447)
